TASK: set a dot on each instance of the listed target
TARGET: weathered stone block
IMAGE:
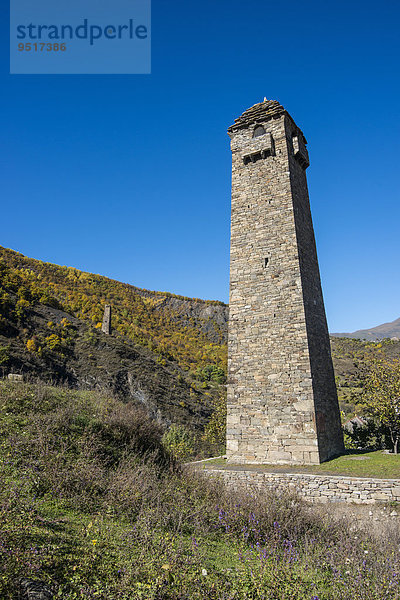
(380, 496)
(396, 492)
(279, 456)
(232, 445)
(15, 377)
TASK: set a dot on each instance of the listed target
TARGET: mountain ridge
(389, 330)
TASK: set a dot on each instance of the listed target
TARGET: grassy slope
(90, 503)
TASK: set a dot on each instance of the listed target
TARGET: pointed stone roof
(260, 112)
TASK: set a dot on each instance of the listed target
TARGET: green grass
(363, 464)
(375, 464)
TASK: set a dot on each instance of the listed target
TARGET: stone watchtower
(282, 400)
(106, 325)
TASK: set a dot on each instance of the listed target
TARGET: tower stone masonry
(106, 325)
(282, 402)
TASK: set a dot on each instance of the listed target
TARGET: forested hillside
(191, 332)
(352, 359)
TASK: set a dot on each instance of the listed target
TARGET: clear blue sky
(129, 175)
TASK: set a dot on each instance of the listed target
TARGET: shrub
(215, 430)
(211, 373)
(4, 354)
(31, 345)
(53, 342)
(179, 441)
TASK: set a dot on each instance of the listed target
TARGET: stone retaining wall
(315, 488)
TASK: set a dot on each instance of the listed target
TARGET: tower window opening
(266, 260)
(259, 130)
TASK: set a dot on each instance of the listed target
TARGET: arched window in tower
(259, 130)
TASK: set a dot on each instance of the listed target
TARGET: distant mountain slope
(351, 360)
(51, 345)
(190, 331)
(166, 352)
(387, 330)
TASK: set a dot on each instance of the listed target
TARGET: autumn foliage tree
(381, 396)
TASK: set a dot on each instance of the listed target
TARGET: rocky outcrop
(28, 589)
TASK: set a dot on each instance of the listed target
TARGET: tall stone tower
(106, 326)
(282, 400)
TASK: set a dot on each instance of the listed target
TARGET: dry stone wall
(315, 488)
